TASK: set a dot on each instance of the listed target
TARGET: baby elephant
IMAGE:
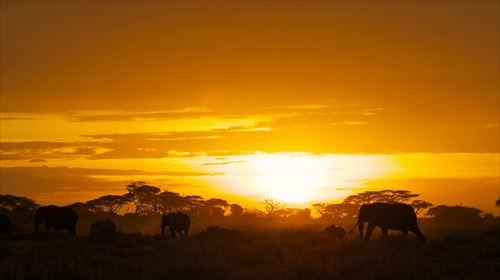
(338, 233)
(103, 231)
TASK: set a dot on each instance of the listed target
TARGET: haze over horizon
(301, 101)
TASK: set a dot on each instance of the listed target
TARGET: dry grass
(277, 254)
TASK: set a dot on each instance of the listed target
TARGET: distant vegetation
(139, 208)
(229, 242)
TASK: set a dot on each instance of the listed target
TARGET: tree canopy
(386, 196)
(12, 203)
(108, 203)
(272, 205)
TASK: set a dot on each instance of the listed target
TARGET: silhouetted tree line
(348, 209)
(143, 201)
(150, 200)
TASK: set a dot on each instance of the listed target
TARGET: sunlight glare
(290, 177)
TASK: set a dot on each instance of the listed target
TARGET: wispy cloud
(330, 128)
(223, 162)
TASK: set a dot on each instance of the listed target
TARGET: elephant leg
(384, 231)
(173, 233)
(360, 229)
(369, 231)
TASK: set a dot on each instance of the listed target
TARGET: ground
(279, 254)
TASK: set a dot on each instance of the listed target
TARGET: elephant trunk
(419, 234)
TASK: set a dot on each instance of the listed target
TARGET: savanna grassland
(219, 253)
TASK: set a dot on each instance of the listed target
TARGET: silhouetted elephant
(57, 218)
(177, 222)
(338, 233)
(103, 231)
(5, 225)
(395, 216)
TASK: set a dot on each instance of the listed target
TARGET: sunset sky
(303, 102)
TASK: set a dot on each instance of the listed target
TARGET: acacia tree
(455, 216)
(389, 196)
(293, 213)
(271, 206)
(236, 210)
(144, 197)
(302, 214)
(401, 195)
(12, 203)
(107, 203)
(386, 196)
(336, 210)
(215, 207)
(420, 205)
(171, 201)
(193, 203)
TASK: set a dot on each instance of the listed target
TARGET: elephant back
(393, 215)
(60, 217)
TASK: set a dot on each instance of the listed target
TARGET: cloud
(37, 160)
(196, 112)
(48, 150)
(330, 128)
(314, 134)
(76, 171)
(39, 181)
(223, 162)
(492, 125)
(329, 108)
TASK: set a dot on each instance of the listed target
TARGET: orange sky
(220, 98)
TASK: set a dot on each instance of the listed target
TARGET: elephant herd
(393, 216)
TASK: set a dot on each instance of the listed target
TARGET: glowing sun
(293, 178)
